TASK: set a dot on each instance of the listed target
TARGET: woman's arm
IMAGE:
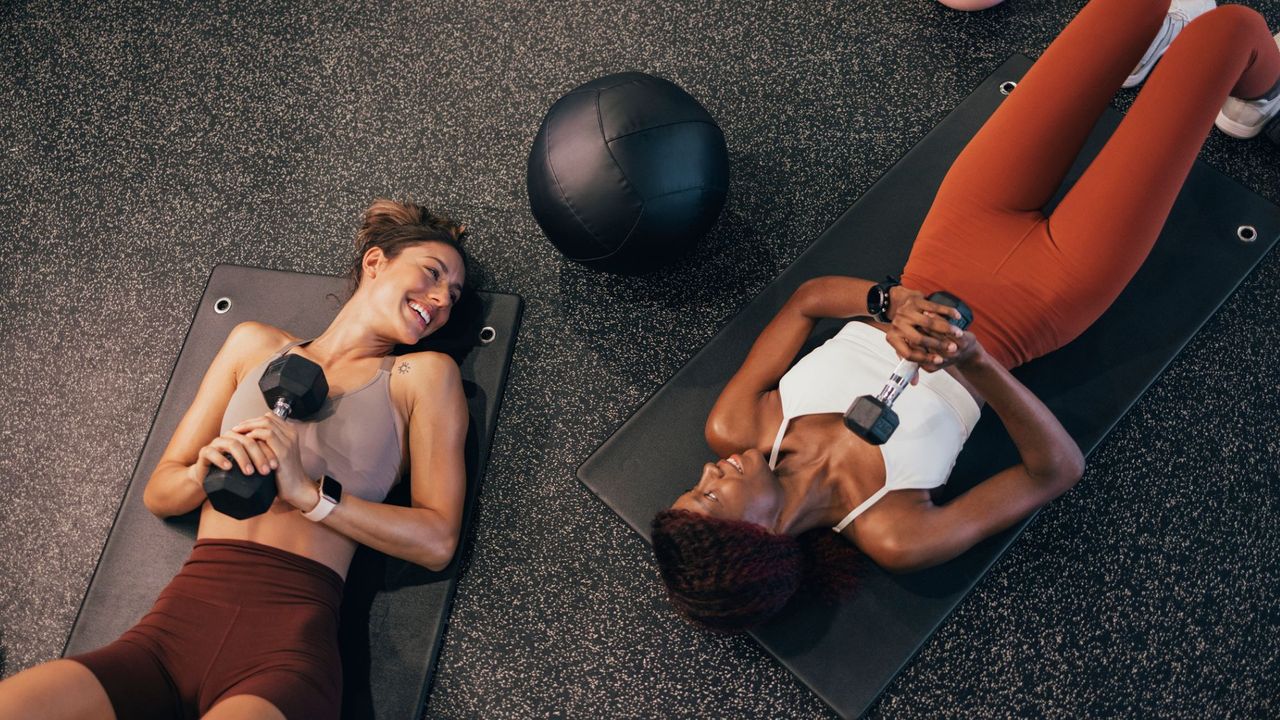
(1048, 452)
(176, 485)
(732, 425)
(1051, 464)
(426, 533)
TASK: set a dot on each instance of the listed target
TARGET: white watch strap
(321, 510)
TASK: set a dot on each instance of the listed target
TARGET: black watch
(878, 299)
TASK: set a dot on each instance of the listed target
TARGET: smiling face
(739, 487)
(415, 291)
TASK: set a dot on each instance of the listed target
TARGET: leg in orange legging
(1036, 284)
(1018, 159)
(1105, 226)
(990, 201)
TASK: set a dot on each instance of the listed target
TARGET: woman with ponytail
(248, 628)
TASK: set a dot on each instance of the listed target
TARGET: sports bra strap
(777, 443)
(289, 347)
(385, 366)
(853, 515)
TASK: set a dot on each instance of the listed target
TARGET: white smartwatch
(330, 495)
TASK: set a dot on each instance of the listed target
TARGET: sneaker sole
(1239, 130)
(1246, 132)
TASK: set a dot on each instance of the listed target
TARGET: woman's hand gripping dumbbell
(293, 386)
(873, 418)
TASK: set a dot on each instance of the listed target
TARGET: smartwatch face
(875, 301)
(331, 489)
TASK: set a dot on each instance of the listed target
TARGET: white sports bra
(935, 416)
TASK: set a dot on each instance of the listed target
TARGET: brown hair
(728, 575)
(394, 226)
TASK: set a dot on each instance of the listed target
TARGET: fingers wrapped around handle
(249, 454)
(281, 439)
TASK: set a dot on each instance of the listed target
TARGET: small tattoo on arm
(404, 368)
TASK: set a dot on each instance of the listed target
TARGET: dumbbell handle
(901, 376)
(899, 379)
(282, 408)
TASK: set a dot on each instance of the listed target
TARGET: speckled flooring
(144, 142)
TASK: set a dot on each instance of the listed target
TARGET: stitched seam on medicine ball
(627, 239)
(546, 141)
(700, 188)
(628, 81)
(626, 180)
(630, 231)
(610, 252)
(659, 127)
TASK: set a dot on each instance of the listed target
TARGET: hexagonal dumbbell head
(871, 420)
(241, 496)
(302, 385)
(296, 379)
(946, 298)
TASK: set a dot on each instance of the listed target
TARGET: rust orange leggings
(1035, 282)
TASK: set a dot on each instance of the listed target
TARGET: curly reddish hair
(728, 575)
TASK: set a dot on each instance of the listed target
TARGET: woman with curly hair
(758, 525)
(248, 627)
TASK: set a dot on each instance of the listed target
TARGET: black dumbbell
(873, 418)
(293, 386)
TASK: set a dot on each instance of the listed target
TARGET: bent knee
(1228, 20)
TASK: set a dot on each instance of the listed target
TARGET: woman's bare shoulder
(427, 363)
(424, 375)
(251, 342)
(888, 532)
(733, 428)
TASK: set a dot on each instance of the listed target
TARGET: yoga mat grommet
(1247, 233)
(487, 335)
(1007, 87)
(222, 305)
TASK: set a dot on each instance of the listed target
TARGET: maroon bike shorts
(239, 619)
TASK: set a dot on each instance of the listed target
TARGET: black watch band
(878, 298)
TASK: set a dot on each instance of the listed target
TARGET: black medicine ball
(627, 172)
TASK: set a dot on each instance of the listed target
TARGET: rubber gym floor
(145, 142)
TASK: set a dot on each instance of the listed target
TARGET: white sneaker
(1245, 118)
(1180, 13)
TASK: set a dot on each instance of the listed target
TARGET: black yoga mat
(394, 613)
(848, 654)
(1272, 131)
